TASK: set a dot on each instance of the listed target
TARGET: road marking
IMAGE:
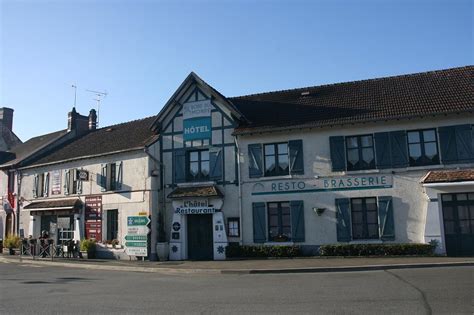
(34, 266)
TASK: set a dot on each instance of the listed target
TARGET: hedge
(377, 250)
(238, 251)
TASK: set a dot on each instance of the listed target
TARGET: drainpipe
(18, 196)
(154, 214)
(240, 190)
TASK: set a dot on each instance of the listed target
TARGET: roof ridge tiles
(466, 67)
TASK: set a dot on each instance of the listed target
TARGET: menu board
(93, 217)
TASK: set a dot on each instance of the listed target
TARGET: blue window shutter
(464, 143)
(215, 161)
(67, 182)
(297, 221)
(46, 185)
(35, 186)
(382, 150)
(102, 178)
(343, 217)
(399, 148)
(386, 222)
(118, 175)
(295, 149)
(179, 164)
(255, 160)
(338, 154)
(259, 226)
(447, 143)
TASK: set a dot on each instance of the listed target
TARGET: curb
(163, 270)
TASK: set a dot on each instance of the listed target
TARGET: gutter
(81, 158)
(452, 184)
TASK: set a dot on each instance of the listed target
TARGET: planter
(162, 250)
(11, 251)
(84, 255)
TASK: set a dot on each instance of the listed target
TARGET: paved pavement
(35, 289)
(316, 264)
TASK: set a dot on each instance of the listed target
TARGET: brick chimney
(6, 117)
(92, 119)
(77, 122)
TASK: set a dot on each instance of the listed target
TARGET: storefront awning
(449, 176)
(51, 205)
(193, 192)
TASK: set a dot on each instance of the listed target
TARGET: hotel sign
(200, 206)
(197, 120)
(324, 184)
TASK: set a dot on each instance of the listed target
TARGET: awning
(195, 191)
(449, 176)
(61, 204)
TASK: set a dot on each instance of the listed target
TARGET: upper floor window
(41, 185)
(198, 165)
(111, 176)
(360, 152)
(276, 159)
(72, 184)
(423, 147)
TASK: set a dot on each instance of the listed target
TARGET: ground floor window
(365, 223)
(279, 221)
(112, 224)
(233, 229)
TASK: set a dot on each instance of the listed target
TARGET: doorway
(458, 217)
(200, 237)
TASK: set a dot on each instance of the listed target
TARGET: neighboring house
(8, 139)
(318, 165)
(87, 187)
(21, 154)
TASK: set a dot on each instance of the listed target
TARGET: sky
(140, 51)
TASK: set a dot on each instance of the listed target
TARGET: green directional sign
(136, 244)
(136, 238)
(137, 220)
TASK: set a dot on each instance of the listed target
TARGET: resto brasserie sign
(324, 184)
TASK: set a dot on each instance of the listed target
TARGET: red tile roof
(406, 96)
(448, 176)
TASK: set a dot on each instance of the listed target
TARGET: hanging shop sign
(93, 217)
(56, 182)
(197, 120)
(82, 175)
(323, 184)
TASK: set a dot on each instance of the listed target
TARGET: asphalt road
(30, 289)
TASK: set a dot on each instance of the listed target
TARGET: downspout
(240, 190)
(18, 188)
(154, 219)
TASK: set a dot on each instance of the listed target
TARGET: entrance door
(458, 216)
(200, 242)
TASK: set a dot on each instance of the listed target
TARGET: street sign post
(136, 239)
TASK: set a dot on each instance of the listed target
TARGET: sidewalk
(296, 265)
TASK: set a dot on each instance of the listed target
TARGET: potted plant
(115, 244)
(88, 248)
(12, 242)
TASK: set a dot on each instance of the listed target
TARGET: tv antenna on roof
(99, 95)
(75, 93)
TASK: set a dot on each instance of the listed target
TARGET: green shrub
(377, 250)
(88, 245)
(12, 241)
(238, 251)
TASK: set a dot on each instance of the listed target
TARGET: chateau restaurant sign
(323, 184)
(195, 207)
